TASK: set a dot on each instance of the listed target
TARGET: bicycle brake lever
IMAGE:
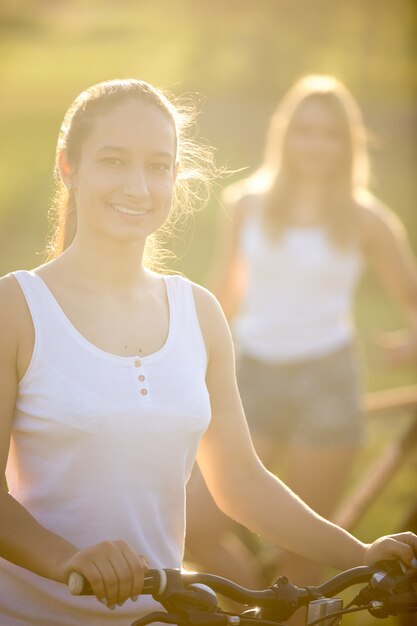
(395, 605)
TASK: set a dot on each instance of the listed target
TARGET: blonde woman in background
(303, 227)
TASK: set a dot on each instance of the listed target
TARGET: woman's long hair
(274, 179)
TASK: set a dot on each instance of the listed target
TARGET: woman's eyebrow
(112, 148)
(157, 153)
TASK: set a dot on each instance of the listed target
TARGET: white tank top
(299, 293)
(102, 447)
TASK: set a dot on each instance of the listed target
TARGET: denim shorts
(314, 402)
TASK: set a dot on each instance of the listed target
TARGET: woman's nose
(136, 184)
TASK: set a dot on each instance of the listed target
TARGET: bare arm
(387, 247)
(114, 570)
(246, 491)
(22, 540)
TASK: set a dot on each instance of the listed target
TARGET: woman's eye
(160, 167)
(114, 161)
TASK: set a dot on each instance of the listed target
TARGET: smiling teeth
(123, 209)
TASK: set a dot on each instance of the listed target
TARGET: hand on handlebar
(113, 569)
(402, 546)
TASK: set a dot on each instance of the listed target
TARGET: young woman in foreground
(112, 376)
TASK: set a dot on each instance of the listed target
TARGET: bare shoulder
(12, 300)
(246, 204)
(374, 215)
(207, 305)
(16, 328)
(211, 318)
(11, 313)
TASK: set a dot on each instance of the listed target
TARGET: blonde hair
(194, 160)
(273, 179)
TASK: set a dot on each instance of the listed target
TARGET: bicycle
(190, 599)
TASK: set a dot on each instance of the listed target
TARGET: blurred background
(241, 56)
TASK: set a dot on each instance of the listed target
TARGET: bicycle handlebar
(156, 580)
(389, 591)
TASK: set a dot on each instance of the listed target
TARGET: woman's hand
(113, 569)
(400, 347)
(402, 546)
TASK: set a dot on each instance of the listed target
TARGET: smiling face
(316, 145)
(124, 177)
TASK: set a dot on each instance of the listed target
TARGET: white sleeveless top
(299, 293)
(102, 447)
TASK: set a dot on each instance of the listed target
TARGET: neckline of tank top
(292, 230)
(304, 230)
(104, 353)
(296, 235)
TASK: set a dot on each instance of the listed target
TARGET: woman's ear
(66, 171)
(175, 172)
